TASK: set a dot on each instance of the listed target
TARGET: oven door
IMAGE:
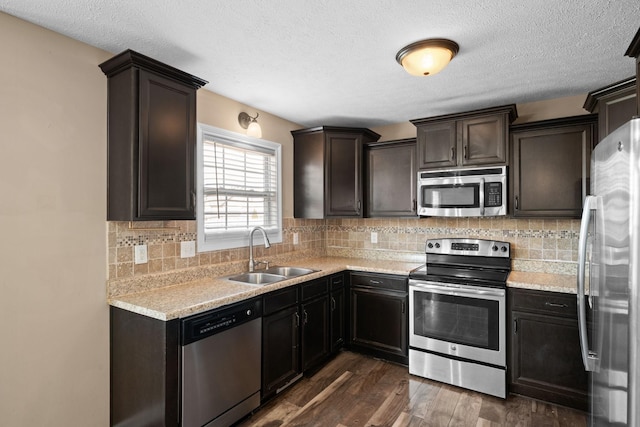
(468, 322)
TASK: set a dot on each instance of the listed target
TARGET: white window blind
(239, 188)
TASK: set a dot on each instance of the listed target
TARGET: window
(238, 188)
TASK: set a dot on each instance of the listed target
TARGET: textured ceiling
(332, 62)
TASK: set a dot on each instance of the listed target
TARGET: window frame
(231, 240)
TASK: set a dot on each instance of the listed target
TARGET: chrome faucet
(252, 263)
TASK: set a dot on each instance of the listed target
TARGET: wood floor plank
(353, 390)
(393, 405)
(441, 410)
(467, 410)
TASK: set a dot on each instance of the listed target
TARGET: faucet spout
(267, 244)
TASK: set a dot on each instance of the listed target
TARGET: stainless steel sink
(257, 278)
(270, 275)
(289, 271)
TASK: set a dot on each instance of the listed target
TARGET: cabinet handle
(515, 326)
(415, 205)
(305, 319)
(403, 307)
(516, 202)
(555, 304)
(374, 282)
(297, 320)
(333, 304)
(453, 153)
(359, 206)
(465, 152)
(193, 199)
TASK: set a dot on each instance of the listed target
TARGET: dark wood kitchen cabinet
(280, 339)
(144, 369)
(549, 172)
(472, 138)
(544, 357)
(379, 315)
(301, 326)
(615, 105)
(390, 178)
(151, 127)
(327, 171)
(633, 51)
(337, 316)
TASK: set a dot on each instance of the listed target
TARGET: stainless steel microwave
(463, 192)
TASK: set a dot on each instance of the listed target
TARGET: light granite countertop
(185, 299)
(182, 300)
(565, 283)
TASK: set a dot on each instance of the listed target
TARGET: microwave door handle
(482, 197)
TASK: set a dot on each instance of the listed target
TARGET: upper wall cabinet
(390, 178)
(549, 174)
(151, 128)
(327, 171)
(615, 104)
(634, 51)
(466, 139)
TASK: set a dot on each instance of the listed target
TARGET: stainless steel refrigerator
(608, 272)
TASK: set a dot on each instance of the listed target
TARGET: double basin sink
(270, 275)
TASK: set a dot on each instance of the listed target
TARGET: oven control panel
(473, 247)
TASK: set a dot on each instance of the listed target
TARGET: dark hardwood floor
(357, 390)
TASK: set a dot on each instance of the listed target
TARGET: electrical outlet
(187, 249)
(295, 239)
(140, 252)
(374, 237)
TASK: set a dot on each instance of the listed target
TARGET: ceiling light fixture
(250, 124)
(427, 57)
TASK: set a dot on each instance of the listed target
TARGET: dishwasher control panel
(212, 322)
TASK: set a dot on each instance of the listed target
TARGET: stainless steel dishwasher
(221, 365)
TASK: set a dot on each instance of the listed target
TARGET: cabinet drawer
(280, 299)
(380, 281)
(337, 281)
(314, 288)
(544, 302)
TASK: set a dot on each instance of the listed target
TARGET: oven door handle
(458, 290)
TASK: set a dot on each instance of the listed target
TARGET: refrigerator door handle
(589, 358)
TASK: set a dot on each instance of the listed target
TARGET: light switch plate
(374, 237)
(140, 254)
(187, 249)
(295, 239)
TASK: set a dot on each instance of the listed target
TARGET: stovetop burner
(475, 262)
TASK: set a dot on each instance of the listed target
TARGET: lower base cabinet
(378, 316)
(301, 326)
(545, 360)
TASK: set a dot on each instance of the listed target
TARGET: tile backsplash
(537, 245)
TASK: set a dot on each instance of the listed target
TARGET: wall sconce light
(427, 57)
(250, 124)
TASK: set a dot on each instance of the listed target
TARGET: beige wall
(54, 361)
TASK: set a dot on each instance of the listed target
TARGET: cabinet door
(546, 361)
(167, 149)
(280, 349)
(616, 110)
(391, 180)
(315, 331)
(483, 140)
(343, 175)
(379, 320)
(436, 145)
(337, 329)
(550, 171)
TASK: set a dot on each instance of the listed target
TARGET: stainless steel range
(457, 314)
